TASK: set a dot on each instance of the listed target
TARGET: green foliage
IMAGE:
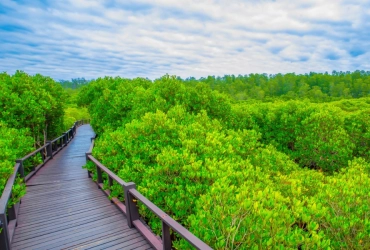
(246, 175)
(319, 136)
(33, 102)
(303, 209)
(14, 144)
(323, 142)
(31, 112)
(357, 125)
(173, 155)
(116, 101)
(317, 87)
(72, 114)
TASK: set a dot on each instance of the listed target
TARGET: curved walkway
(64, 209)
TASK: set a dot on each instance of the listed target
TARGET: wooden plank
(64, 239)
(111, 223)
(60, 191)
(111, 241)
(52, 226)
(76, 241)
(141, 245)
(54, 196)
(58, 215)
(61, 204)
(57, 195)
(86, 214)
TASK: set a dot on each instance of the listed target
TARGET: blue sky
(93, 38)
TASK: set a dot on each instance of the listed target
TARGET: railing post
(21, 167)
(4, 237)
(49, 149)
(65, 139)
(110, 181)
(11, 212)
(132, 212)
(87, 159)
(99, 174)
(166, 237)
(43, 156)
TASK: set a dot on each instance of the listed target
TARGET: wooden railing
(130, 209)
(8, 214)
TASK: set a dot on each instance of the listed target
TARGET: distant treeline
(317, 87)
(74, 83)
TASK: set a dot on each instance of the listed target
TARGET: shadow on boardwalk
(64, 209)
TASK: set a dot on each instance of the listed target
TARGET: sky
(188, 38)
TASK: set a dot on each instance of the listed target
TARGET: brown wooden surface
(64, 209)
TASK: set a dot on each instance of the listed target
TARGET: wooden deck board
(64, 209)
(78, 242)
(111, 240)
(65, 224)
(120, 244)
(139, 245)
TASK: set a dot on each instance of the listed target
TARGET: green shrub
(14, 144)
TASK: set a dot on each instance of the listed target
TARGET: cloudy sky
(149, 38)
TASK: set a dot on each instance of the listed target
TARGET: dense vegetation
(284, 173)
(244, 162)
(33, 109)
(14, 143)
(317, 87)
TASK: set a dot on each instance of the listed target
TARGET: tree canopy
(283, 172)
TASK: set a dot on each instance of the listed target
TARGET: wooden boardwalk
(64, 209)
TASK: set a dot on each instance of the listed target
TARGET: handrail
(191, 238)
(34, 152)
(106, 170)
(8, 215)
(8, 189)
(57, 138)
(130, 209)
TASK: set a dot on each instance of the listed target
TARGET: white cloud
(87, 38)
